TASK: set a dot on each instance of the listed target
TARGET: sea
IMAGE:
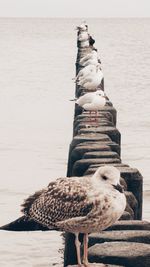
(37, 64)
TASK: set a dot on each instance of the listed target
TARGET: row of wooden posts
(93, 146)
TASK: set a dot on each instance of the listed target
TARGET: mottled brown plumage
(79, 204)
(63, 199)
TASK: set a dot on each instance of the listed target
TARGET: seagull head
(109, 175)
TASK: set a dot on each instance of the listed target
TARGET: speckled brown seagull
(79, 205)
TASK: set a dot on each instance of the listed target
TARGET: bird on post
(83, 39)
(82, 27)
(88, 98)
(91, 81)
(82, 35)
(86, 71)
(91, 55)
(92, 102)
(79, 205)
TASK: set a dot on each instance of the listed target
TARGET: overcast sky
(75, 8)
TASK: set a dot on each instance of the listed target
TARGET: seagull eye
(104, 177)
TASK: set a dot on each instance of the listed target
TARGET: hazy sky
(75, 8)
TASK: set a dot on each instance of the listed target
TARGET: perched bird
(91, 81)
(86, 71)
(83, 36)
(88, 98)
(83, 39)
(91, 55)
(79, 205)
(83, 44)
(82, 27)
(92, 102)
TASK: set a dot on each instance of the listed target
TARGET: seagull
(92, 102)
(83, 36)
(79, 205)
(82, 27)
(83, 44)
(88, 97)
(91, 81)
(89, 56)
(83, 39)
(86, 71)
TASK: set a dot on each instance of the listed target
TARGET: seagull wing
(85, 58)
(84, 80)
(83, 37)
(63, 199)
(87, 98)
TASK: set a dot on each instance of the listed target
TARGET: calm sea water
(37, 63)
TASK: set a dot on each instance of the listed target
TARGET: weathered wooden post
(93, 146)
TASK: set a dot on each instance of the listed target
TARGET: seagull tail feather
(24, 223)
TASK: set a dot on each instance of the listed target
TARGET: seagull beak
(119, 187)
(73, 99)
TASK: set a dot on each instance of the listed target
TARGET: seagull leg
(77, 244)
(92, 119)
(89, 118)
(85, 254)
(95, 117)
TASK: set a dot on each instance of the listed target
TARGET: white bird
(83, 44)
(92, 101)
(89, 56)
(83, 36)
(96, 70)
(91, 81)
(88, 98)
(86, 71)
(84, 205)
(82, 27)
(83, 39)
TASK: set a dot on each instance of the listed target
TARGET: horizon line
(63, 17)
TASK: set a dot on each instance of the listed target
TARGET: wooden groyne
(127, 242)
